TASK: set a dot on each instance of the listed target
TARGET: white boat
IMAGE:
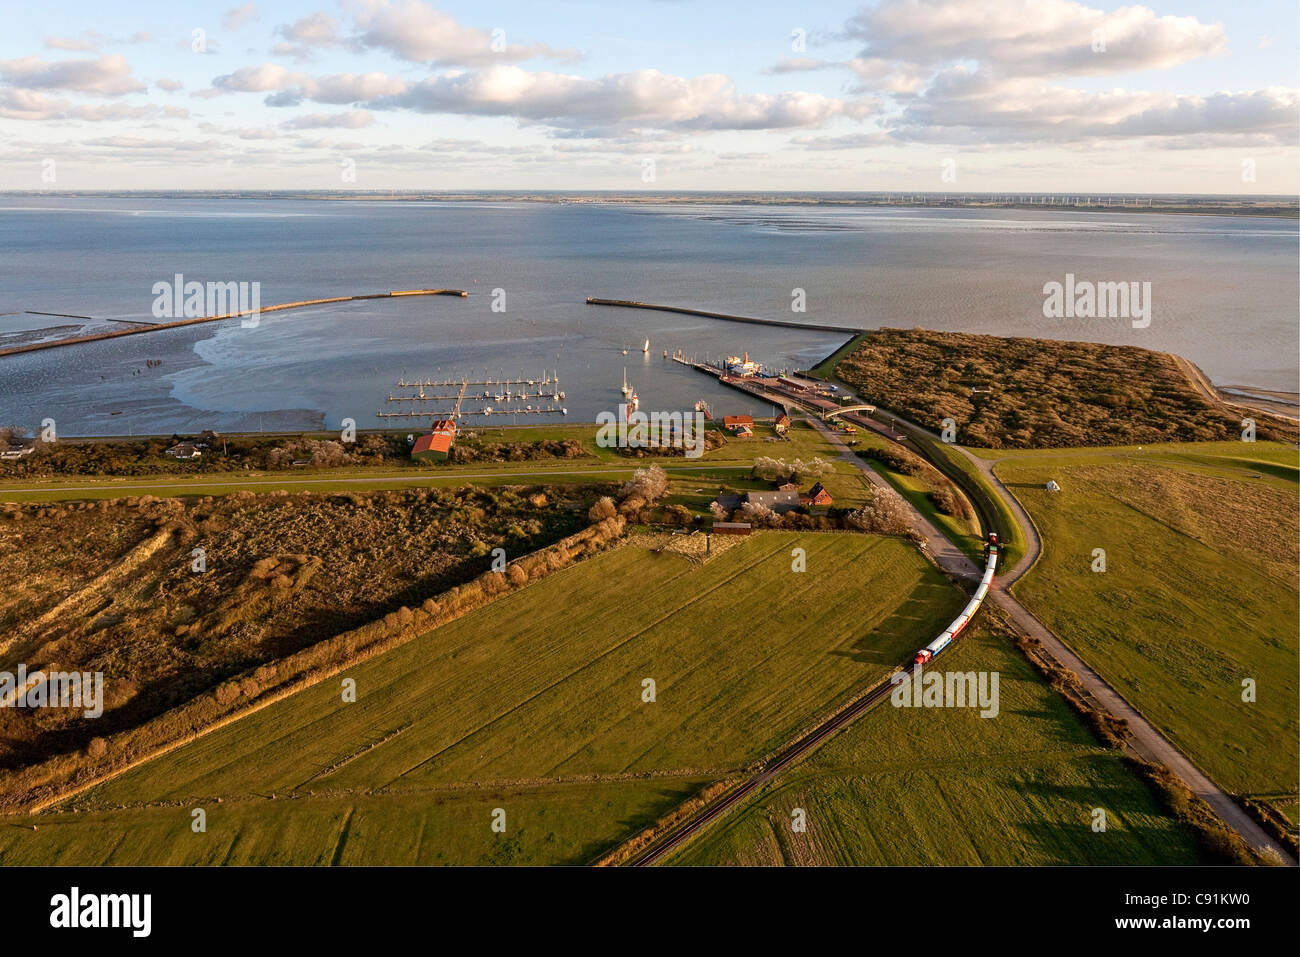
(627, 389)
(646, 348)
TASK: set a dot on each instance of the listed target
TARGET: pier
(178, 323)
(489, 411)
(402, 383)
(783, 323)
(791, 397)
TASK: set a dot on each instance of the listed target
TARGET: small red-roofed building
(435, 446)
(817, 496)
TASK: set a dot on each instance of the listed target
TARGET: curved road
(1145, 740)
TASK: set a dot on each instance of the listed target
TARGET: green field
(915, 786)
(731, 461)
(1199, 592)
(533, 704)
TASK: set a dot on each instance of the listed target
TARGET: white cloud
(449, 145)
(28, 105)
(19, 104)
(415, 31)
(102, 112)
(800, 64)
(351, 120)
(107, 75)
(292, 87)
(852, 141)
(963, 106)
(644, 97)
(316, 29)
(1031, 38)
(140, 143)
(240, 15)
(304, 36)
(966, 72)
(88, 41)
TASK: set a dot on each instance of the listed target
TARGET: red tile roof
(432, 443)
(817, 495)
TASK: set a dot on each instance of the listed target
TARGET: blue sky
(911, 95)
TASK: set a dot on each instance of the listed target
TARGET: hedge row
(40, 785)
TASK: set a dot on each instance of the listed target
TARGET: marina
(547, 387)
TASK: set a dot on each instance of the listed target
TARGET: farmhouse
(777, 501)
(735, 422)
(729, 501)
(184, 451)
(817, 495)
(14, 454)
(782, 424)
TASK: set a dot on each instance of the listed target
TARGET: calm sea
(1224, 294)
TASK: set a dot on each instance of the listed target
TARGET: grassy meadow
(534, 702)
(927, 786)
(1199, 593)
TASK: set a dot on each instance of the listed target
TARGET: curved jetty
(789, 324)
(177, 323)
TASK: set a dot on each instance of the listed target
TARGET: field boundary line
(379, 646)
(588, 664)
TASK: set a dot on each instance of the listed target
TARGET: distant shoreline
(1266, 205)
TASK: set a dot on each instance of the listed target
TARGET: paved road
(1146, 741)
(1033, 544)
(948, 556)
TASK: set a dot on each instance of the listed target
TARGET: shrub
(771, 470)
(650, 484)
(949, 502)
(757, 514)
(886, 514)
(898, 459)
(602, 509)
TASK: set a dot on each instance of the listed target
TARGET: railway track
(674, 838)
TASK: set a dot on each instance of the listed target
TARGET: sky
(1187, 96)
